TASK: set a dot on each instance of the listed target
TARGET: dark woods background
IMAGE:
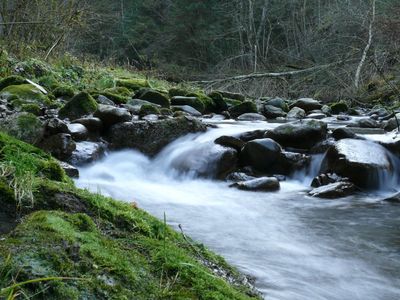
(209, 39)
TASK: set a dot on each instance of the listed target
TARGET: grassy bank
(85, 246)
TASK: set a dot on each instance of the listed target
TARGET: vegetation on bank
(92, 246)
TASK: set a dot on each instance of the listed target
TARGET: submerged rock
(303, 135)
(364, 162)
(334, 190)
(251, 117)
(230, 142)
(151, 137)
(263, 184)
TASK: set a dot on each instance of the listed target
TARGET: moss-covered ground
(77, 245)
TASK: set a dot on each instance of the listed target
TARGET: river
(297, 247)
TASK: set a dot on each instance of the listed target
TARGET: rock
(80, 105)
(11, 80)
(326, 110)
(151, 137)
(78, 132)
(322, 146)
(239, 176)
(87, 152)
(392, 123)
(93, 124)
(148, 109)
(70, 170)
(343, 133)
(363, 162)
(251, 117)
(133, 83)
(154, 97)
(325, 179)
(339, 107)
(60, 145)
(296, 113)
(235, 96)
(24, 94)
(242, 108)
(395, 198)
(151, 118)
(263, 184)
(289, 162)
(344, 118)
(219, 102)
(189, 101)
(316, 116)
(272, 112)
(251, 135)
(225, 163)
(365, 123)
(111, 115)
(187, 109)
(101, 99)
(307, 104)
(260, 154)
(23, 126)
(54, 126)
(302, 135)
(64, 92)
(230, 142)
(334, 190)
(278, 103)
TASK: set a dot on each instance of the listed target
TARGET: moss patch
(80, 105)
(11, 80)
(64, 91)
(23, 94)
(107, 249)
(154, 96)
(133, 84)
(148, 109)
(339, 107)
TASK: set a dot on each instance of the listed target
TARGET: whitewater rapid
(296, 246)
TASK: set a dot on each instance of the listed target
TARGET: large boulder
(302, 135)
(307, 104)
(22, 94)
(278, 103)
(263, 184)
(364, 162)
(111, 115)
(80, 105)
(230, 142)
(260, 154)
(151, 137)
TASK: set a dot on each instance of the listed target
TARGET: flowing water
(296, 246)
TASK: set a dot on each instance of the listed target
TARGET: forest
(341, 44)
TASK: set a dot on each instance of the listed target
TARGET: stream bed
(296, 246)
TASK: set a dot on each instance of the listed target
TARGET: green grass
(113, 249)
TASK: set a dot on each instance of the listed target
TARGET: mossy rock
(119, 95)
(177, 92)
(234, 96)
(148, 109)
(339, 107)
(242, 108)
(219, 101)
(279, 103)
(11, 80)
(24, 94)
(33, 68)
(64, 91)
(50, 82)
(191, 101)
(24, 126)
(166, 112)
(122, 91)
(32, 108)
(232, 102)
(154, 96)
(207, 101)
(80, 105)
(133, 84)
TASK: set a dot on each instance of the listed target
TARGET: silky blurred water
(296, 246)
